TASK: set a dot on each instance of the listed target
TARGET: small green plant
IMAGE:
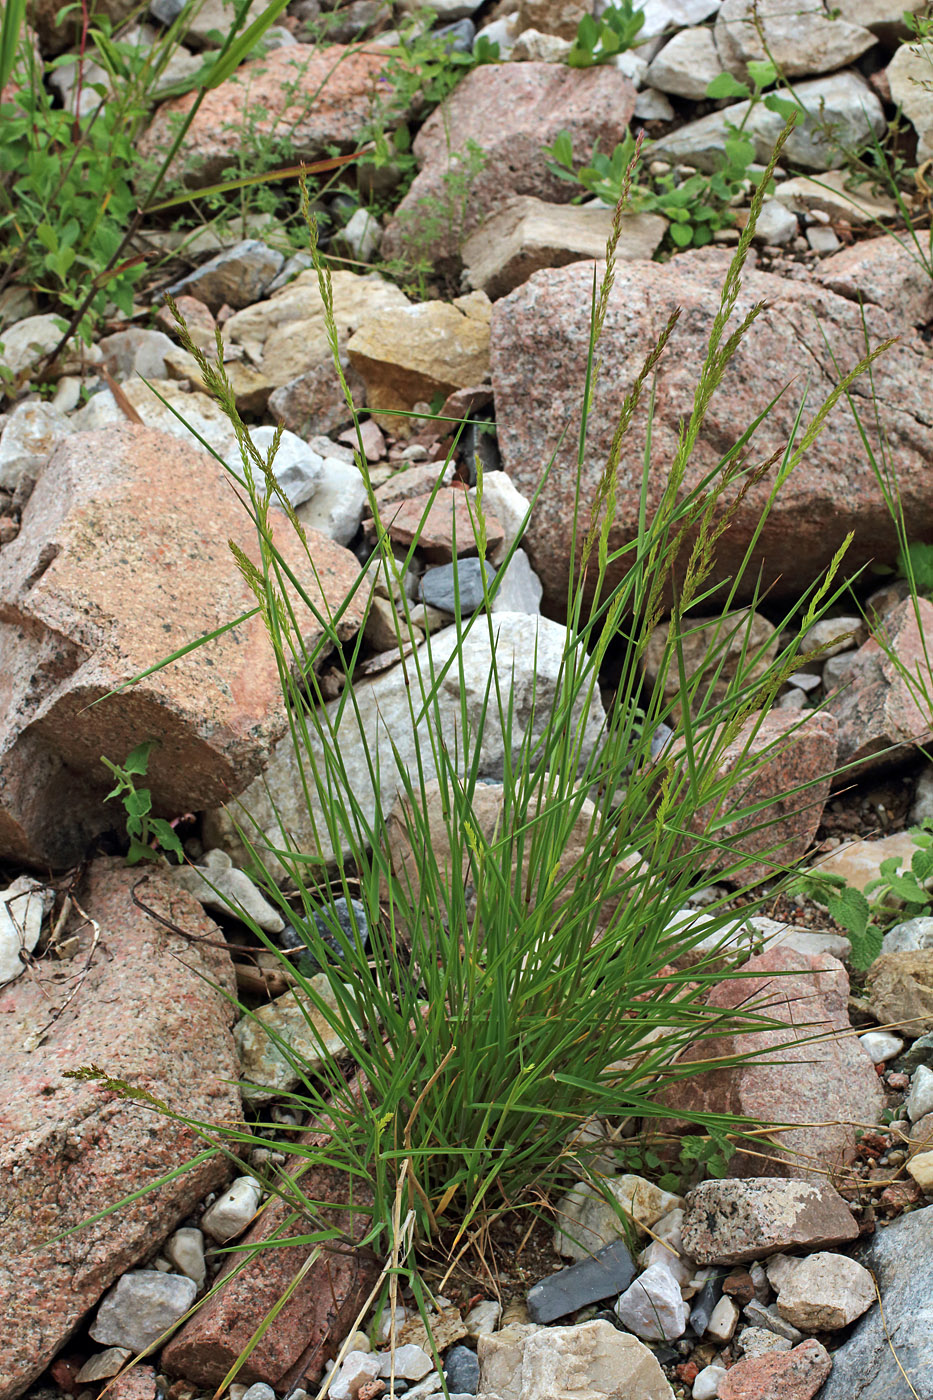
(896, 894)
(696, 206)
(915, 562)
(146, 833)
(599, 40)
(434, 226)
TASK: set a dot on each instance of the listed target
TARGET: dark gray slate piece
(610, 1271)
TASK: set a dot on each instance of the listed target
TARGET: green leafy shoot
(145, 831)
(599, 40)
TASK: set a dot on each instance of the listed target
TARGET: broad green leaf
(681, 234)
(740, 152)
(850, 910)
(588, 33)
(782, 106)
(762, 72)
(47, 237)
(138, 760)
(724, 85)
(138, 803)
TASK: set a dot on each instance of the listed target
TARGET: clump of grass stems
(490, 1016)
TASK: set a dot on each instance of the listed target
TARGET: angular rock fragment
(96, 588)
(730, 1221)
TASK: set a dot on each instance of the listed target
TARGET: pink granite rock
(322, 97)
(803, 1073)
(511, 111)
(778, 1375)
(882, 272)
(122, 559)
(790, 754)
(447, 516)
(538, 349)
(882, 715)
(317, 1316)
(68, 1148)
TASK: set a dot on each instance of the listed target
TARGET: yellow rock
(409, 355)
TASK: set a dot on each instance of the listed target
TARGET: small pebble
(706, 1385)
(231, 1213)
(723, 1321)
(920, 1098)
(409, 1362)
(881, 1045)
(260, 1391)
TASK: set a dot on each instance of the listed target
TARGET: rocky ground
(809, 1270)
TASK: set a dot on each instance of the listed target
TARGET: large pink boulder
(145, 1006)
(509, 112)
(808, 1067)
(538, 351)
(319, 98)
(122, 559)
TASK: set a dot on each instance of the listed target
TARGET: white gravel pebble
(706, 1385)
(231, 1213)
(881, 1045)
(920, 1098)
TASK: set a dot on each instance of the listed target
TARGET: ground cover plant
(501, 976)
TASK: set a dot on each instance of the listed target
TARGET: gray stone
(664, 15)
(776, 224)
(881, 1045)
(440, 586)
(23, 906)
(822, 240)
(876, 1360)
(361, 234)
(920, 1053)
(286, 1038)
(768, 1317)
(909, 74)
(842, 112)
(803, 42)
(529, 650)
(231, 1212)
(102, 1365)
(338, 503)
(237, 277)
(653, 106)
(591, 1362)
(136, 351)
(829, 193)
(28, 341)
(142, 1306)
(297, 469)
(520, 590)
(909, 937)
(587, 1220)
(461, 1370)
(755, 1341)
(217, 884)
(529, 234)
(922, 810)
(653, 1307)
(259, 1391)
(409, 1362)
(31, 433)
(686, 64)
(607, 1273)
